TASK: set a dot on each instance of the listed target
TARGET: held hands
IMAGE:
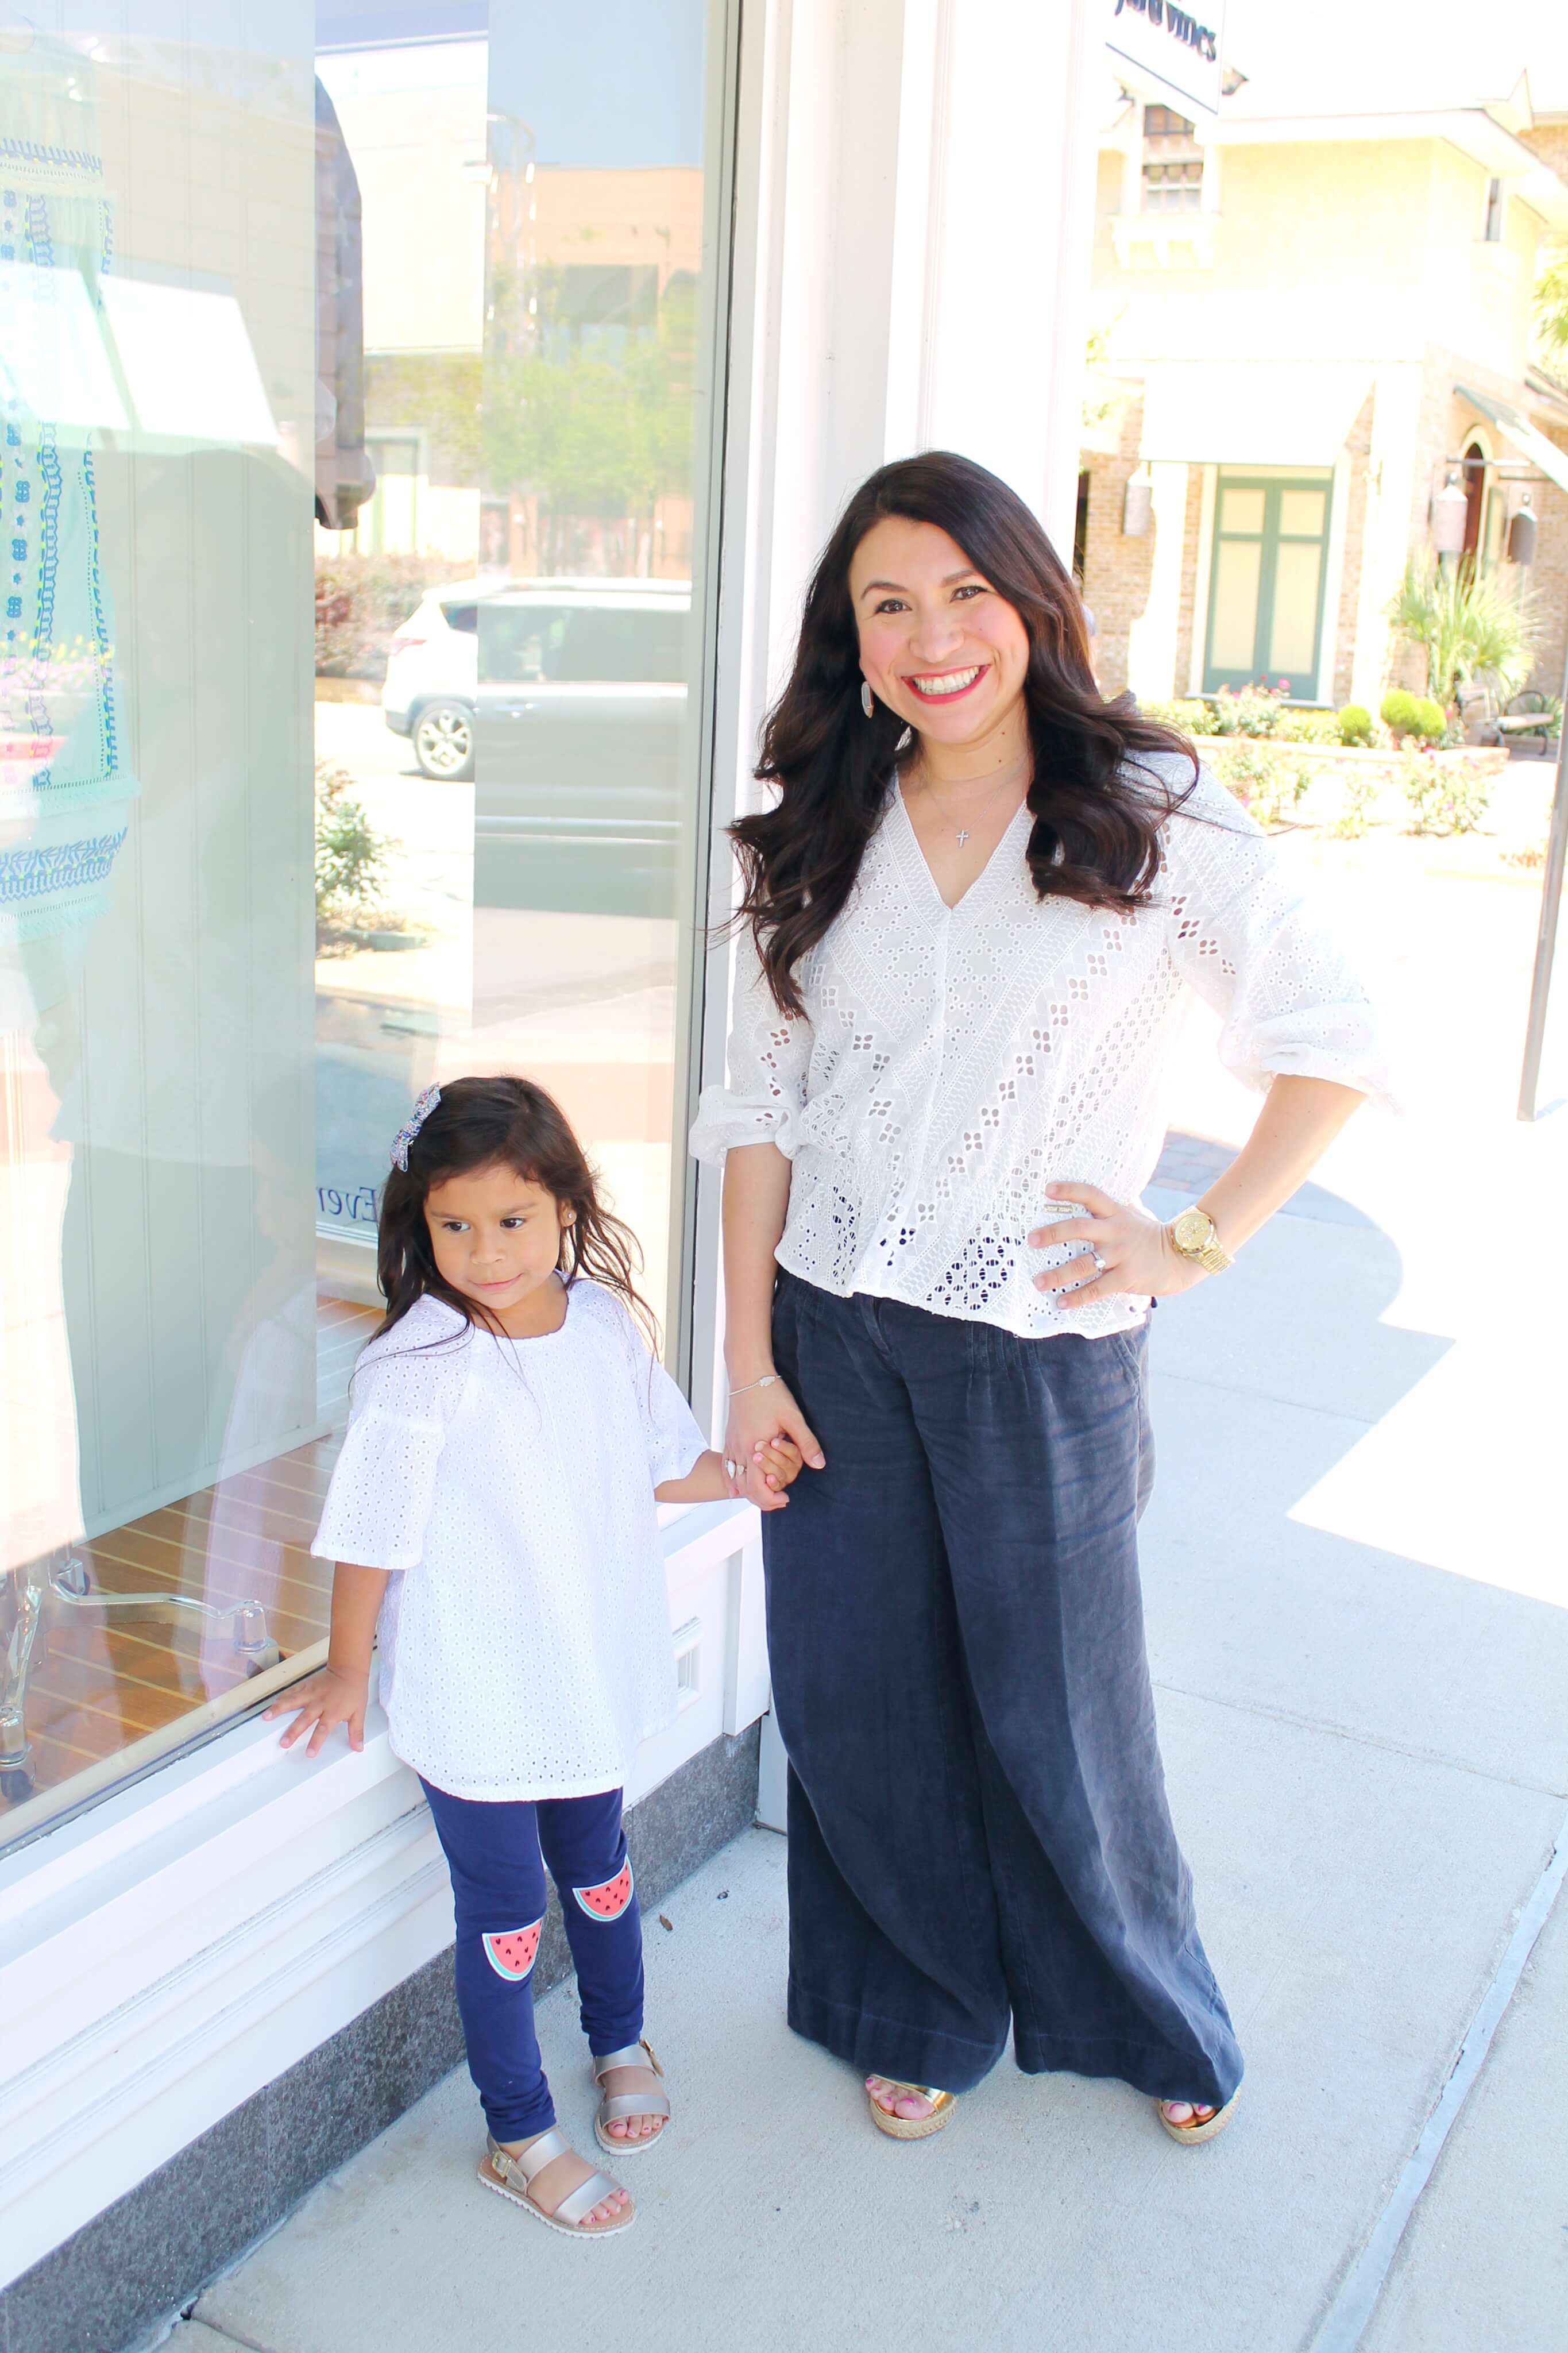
(769, 1438)
(1134, 1250)
(779, 1461)
(331, 1696)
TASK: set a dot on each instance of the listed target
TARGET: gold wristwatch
(1194, 1234)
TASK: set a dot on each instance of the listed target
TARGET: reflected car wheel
(444, 740)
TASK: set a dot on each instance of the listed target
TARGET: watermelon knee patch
(610, 1898)
(513, 1953)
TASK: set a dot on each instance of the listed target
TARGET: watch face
(1193, 1230)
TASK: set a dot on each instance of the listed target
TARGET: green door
(1266, 583)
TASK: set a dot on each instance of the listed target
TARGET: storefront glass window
(376, 316)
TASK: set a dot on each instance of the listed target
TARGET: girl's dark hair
(1096, 831)
(478, 1124)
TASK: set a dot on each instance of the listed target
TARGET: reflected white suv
(432, 677)
(572, 682)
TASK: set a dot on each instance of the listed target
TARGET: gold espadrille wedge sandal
(943, 2107)
(510, 2176)
(617, 2107)
(1200, 2128)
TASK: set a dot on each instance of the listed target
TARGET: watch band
(1202, 1246)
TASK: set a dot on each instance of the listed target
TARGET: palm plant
(1471, 625)
(1552, 309)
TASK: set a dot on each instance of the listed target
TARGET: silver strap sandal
(616, 2106)
(510, 2176)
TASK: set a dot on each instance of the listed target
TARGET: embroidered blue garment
(64, 785)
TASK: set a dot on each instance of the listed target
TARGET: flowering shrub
(1268, 787)
(1191, 718)
(1361, 787)
(1255, 711)
(351, 856)
(1252, 710)
(1307, 727)
(360, 601)
(1447, 797)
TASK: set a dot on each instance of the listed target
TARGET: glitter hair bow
(412, 1125)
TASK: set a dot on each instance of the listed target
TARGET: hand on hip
(1128, 1250)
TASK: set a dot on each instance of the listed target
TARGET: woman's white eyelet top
(954, 1061)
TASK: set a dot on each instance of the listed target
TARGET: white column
(1392, 489)
(1015, 233)
(914, 217)
(914, 271)
(1151, 640)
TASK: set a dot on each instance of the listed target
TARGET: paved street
(1358, 1615)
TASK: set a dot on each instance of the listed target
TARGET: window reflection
(456, 297)
(394, 663)
(160, 1335)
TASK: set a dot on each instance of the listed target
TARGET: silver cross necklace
(961, 833)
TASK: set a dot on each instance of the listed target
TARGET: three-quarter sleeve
(404, 1392)
(769, 1056)
(1256, 948)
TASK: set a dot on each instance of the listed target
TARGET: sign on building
(1176, 56)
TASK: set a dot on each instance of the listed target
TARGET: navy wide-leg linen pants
(978, 1831)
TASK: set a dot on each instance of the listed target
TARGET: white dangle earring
(866, 705)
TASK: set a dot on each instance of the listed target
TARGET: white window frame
(253, 1901)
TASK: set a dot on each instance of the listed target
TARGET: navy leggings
(497, 1851)
(978, 1831)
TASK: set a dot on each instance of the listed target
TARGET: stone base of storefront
(125, 2275)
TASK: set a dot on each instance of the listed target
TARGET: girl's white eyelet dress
(507, 1486)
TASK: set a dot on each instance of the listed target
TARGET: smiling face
(938, 645)
(496, 1238)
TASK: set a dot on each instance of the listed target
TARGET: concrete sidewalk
(1355, 1569)
(1368, 1760)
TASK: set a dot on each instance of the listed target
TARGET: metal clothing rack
(60, 1582)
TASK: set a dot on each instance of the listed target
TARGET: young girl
(492, 1509)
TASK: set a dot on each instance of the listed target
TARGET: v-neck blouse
(954, 1061)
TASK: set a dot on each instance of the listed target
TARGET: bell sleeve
(384, 1483)
(1256, 948)
(769, 1056)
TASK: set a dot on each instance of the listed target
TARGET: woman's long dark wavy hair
(511, 1124)
(1096, 831)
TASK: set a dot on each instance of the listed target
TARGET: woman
(972, 917)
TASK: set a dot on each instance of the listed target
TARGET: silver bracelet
(765, 1383)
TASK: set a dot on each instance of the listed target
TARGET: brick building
(1305, 320)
